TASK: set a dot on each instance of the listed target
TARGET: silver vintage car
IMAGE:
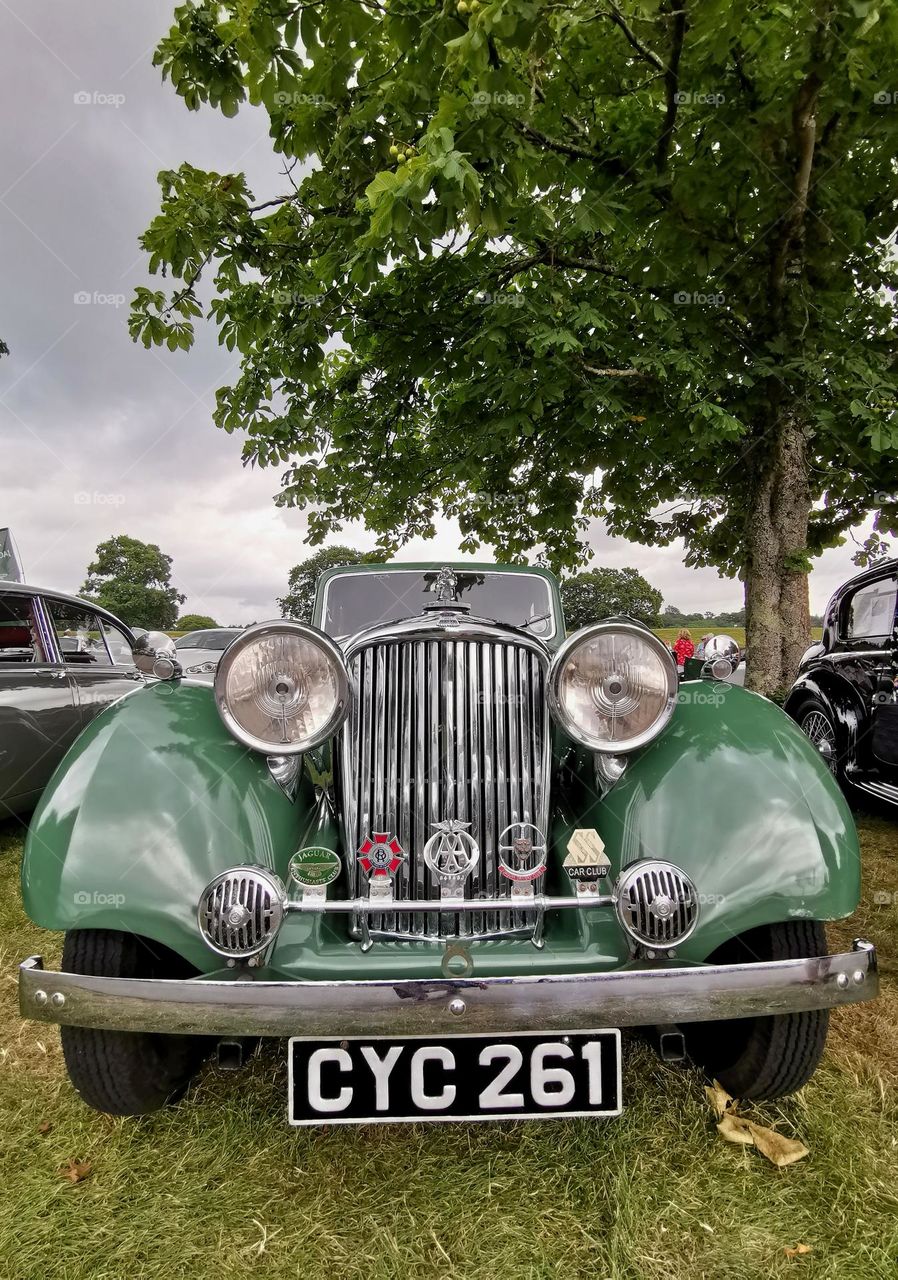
(62, 660)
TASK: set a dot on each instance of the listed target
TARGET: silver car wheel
(820, 731)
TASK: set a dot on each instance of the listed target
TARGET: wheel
(815, 721)
(126, 1073)
(764, 1057)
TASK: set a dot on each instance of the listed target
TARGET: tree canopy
(303, 579)
(195, 622)
(604, 593)
(133, 580)
(556, 261)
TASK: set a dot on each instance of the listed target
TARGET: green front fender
(152, 801)
(735, 795)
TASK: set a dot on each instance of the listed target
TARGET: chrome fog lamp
(282, 688)
(613, 686)
(656, 903)
(241, 911)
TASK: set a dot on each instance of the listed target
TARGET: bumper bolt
(40, 997)
(858, 976)
(842, 980)
(457, 1006)
(57, 1000)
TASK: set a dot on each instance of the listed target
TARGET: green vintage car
(446, 852)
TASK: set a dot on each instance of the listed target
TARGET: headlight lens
(613, 686)
(282, 687)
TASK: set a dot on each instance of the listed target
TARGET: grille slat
(443, 728)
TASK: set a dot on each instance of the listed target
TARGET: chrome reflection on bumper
(622, 998)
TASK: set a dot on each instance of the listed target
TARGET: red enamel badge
(380, 854)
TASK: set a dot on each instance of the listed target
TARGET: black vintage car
(845, 695)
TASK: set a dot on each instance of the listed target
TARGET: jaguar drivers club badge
(522, 852)
(380, 855)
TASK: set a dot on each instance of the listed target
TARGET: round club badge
(315, 867)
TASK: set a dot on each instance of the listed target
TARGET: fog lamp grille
(241, 911)
(656, 904)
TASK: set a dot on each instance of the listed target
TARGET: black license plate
(529, 1075)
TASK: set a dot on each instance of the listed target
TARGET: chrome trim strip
(623, 998)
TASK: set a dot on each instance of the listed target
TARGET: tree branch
(671, 89)
(632, 39)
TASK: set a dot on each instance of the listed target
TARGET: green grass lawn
(220, 1187)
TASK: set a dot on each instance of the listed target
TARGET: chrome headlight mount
(613, 687)
(282, 688)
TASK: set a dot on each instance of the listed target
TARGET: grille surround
(261, 896)
(641, 896)
(449, 720)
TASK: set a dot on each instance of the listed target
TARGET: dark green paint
(155, 799)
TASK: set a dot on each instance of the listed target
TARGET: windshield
(354, 601)
(217, 640)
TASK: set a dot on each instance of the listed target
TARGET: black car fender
(841, 702)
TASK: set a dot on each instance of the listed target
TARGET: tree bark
(777, 615)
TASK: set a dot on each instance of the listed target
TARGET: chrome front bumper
(622, 998)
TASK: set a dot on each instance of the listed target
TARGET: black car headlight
(282, 687)
(613, 686)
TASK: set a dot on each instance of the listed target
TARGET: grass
(219, 1186)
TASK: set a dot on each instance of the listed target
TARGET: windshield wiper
(540, 617)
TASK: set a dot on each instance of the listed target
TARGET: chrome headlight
(282, 687)
(613, 686)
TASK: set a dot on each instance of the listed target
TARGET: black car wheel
(814, 721)
(126, 1073)
(764, 1057)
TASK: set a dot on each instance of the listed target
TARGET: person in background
(684, 648)
(700, 651)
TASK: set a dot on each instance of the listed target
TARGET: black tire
(765, 1057)
(816, 723)
(126, 1073)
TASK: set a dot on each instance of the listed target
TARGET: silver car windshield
(217, 640)
(354, 601)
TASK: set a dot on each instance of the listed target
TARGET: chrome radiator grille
(445, 726)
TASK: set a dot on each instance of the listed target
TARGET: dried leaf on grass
(45, 1126)
(778, 1149)
(797, 1250)
(76, 1170)
(719, 1099)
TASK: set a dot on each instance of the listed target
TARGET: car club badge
(451, 853)
(586, 862)
(315, 868)
(522, 853)
(380, 855)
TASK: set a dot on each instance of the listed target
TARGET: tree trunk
(777, 616)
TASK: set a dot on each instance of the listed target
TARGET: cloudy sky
(98, 436)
